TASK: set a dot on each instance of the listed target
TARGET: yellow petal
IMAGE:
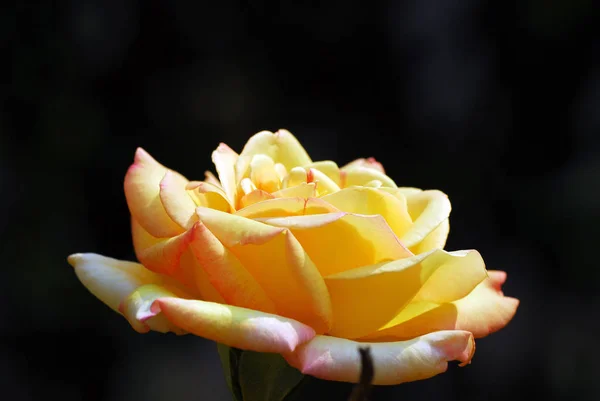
(211, 196)
(258, 195)
(195, 277)
(142, 190)
(482, 312)
(369, 163)
(211, 179)
(112, 280)
(226, 273)
(263, 174)
(327, 167)
(357, 312)
(340, 241)
(435, 239)
(338, 359)
(224, 159)
(178, 204)
(284, 207)
(161, 255)
(233, 326)
(325, 185)
(304, 190)
(297, 176)
(280, 146)
(428, 210)
(278, 263)
(358, 175)
(370, 201)
(136, 309)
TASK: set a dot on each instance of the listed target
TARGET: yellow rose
(282, 254)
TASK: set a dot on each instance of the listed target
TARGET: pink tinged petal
(178, 204)
(358, 175)
(112, 280)
(161, 255)
(338, 359)
(328, 237)
(225, 159)
(258, 195)
(277, 261)
(428, 210)
(210, 195)
(195, 277)
(142, 190)
(227, 274)
(280, 146)
(284, 207)
(359, 313)
(304, 190)
(234, 326)
(369, 163)
(327, 167)
(325, 185)
(483, 311)
(371, 201)
(136, 309)
(210, 178)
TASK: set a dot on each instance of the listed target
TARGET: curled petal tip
(74, 258)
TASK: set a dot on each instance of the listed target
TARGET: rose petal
(278, 263)
(428, 210)
(263, 174)
(280, 146)
(483, 311)
(233, 326)
(111, 280)
(161, 255)
(136, 308)
(225, 159)
(304, 190)
(325, 185)
(340, 241)
(210, 195)
(435, 239)
(256, 196)
(358, 175)
(142, 190)
(338, 359)
(370, 163)
(178, 204)
(358, 312)
(226, 273)
(327, 167)
(284, 207)
(370, 201)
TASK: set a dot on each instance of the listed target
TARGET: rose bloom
(285, 255)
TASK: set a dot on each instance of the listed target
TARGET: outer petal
(428, 210)
(224, 159)
(338, 359)
(142, 190)
(339, 241)
(178, 204)
(370, 201)
(226, 273)
(136, 308)
(358, 312)
(278, 263)
(435, 239)
(112, 280)
(482, 312)
(370, 163)
(281, 146)
(237, 327)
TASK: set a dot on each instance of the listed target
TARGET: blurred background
(495, 103)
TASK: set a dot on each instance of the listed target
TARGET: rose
(285, 255)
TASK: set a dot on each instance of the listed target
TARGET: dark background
(495, 103)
